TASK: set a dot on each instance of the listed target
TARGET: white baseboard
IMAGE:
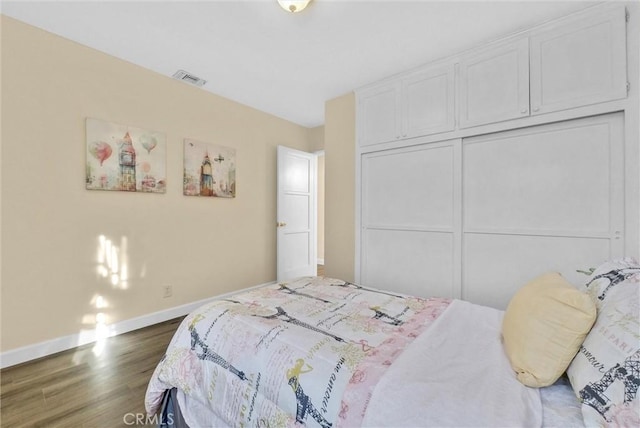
(321, 262)
(48, 347)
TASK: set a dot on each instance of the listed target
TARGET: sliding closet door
(410, 219)
(543, 198)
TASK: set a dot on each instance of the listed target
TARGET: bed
(324, 352)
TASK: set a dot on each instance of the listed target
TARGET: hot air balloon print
(149, 142)
(124, 158)
(100, 150)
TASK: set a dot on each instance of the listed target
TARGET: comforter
(313, 351)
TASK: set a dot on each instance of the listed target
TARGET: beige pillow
(543, 328)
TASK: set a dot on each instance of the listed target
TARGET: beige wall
(316, 138)
(339, 146)
(316, 144)
(51, 224)
(321, 206)
(1, 168)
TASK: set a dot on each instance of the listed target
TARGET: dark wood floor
(76, 388)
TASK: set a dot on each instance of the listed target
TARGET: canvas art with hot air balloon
(125, 158)
(209, 170)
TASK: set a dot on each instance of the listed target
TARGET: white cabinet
(494, 84)
(378, 118)
(476, 211)
(428, 102)
(419, 103)
(580, 63)
(574, 62)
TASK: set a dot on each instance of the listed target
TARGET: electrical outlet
(167, 291)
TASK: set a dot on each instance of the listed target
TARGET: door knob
(281, 224)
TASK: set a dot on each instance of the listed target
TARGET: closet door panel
(379, 114)
(409, 188)
(496, 266)
(539, 199)
(412, 262)
(494, 84)
(428, 102)
(579, 64)
(547, 179)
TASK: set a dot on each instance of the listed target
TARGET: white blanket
(457, 380)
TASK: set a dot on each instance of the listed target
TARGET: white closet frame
(628, 106)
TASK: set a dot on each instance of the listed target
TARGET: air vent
(189, 78)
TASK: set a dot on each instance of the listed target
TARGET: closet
(549, 196)
(473, 201)
(410, 218)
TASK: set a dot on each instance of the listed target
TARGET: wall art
(209, 170)
(125, 158)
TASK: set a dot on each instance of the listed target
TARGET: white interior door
(296, 216)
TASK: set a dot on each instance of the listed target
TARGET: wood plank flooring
(76, 388)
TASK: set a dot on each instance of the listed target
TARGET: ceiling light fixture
(294, 6)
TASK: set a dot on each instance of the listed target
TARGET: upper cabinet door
(579, 63)
(494, 84)
(428, 101)
(378, 114)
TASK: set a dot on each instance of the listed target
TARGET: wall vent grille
(189, 78)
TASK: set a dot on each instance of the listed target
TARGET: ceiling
(255, 53)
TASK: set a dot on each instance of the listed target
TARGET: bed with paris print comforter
(325, 352)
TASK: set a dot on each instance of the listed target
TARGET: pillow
(543, 327)
(605, 373)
